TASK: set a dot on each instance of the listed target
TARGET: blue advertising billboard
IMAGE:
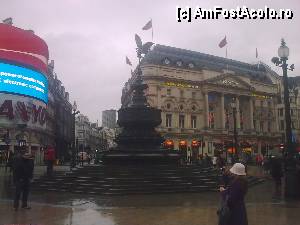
(23, 81)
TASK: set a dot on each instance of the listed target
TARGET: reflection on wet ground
(172, 209)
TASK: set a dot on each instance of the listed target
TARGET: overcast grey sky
(89, 39)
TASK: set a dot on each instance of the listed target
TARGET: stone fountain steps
(127, 190)
(133, 180)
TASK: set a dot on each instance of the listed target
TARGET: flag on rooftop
(223, 42)
(148, 25)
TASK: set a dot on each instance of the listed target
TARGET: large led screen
(23, 81)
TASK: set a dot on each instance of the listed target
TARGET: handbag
(224, 212)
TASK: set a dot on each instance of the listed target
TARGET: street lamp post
(291, 185)
(7, 140)
(74, 113)
(233, 106)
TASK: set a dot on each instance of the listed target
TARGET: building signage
(26, 112)
(261, 96)
(181, 85)
(230, 82)
(19, 80)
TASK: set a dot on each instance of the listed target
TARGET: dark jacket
(276, 168)
(22, 168)
(235, 193)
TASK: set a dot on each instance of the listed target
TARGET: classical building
(59, 122)
(109, 118)
(108, 136)
(195, 92)
(88, 135)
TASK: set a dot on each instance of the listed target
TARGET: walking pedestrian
(277, 174)
(233, 197)
(220, 162)
(9, 160)
(214, 161)
(23, 165)
(259, 160)
(50, 158)
(207, 160)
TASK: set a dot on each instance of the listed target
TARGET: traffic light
(281, 146)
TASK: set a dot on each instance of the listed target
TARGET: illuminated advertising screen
(22, 81)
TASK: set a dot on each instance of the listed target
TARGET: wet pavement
(171, 209)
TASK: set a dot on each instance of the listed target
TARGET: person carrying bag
(224, 212)
(233, 210)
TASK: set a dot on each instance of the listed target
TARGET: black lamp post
(291, 185)
(233, 106)
(75, 112)
(7, 140)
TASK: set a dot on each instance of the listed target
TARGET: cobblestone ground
(173, 209)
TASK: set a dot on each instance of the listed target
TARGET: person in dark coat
(23, 166)
(277, 174)
(235, 194)
(9, 161)
(207, 160)
(220, 162)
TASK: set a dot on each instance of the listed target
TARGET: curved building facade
(23, 90)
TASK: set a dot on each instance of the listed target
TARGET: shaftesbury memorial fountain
(138, 142)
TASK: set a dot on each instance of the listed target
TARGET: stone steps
(122, 180)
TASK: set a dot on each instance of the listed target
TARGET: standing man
(277, 174)
(23, 166)
(50, 158)
(9, 160)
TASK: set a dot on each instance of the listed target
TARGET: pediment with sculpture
(230, 81)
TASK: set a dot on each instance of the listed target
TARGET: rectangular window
(168, 92)
(261, 126)
(210, 146)
(194, 121)
(269, 126)
(168, 120)
(281, 125)
(293, 125)
(181, 121)
(193, 95)
(280, 112)
(181, 93)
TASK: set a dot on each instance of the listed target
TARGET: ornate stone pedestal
(139, 143)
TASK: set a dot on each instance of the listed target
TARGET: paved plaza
(172, 209)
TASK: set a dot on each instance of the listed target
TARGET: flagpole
(256, 54)
(226, 58)
(152, 29)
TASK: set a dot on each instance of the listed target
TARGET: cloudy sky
(89, 39)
